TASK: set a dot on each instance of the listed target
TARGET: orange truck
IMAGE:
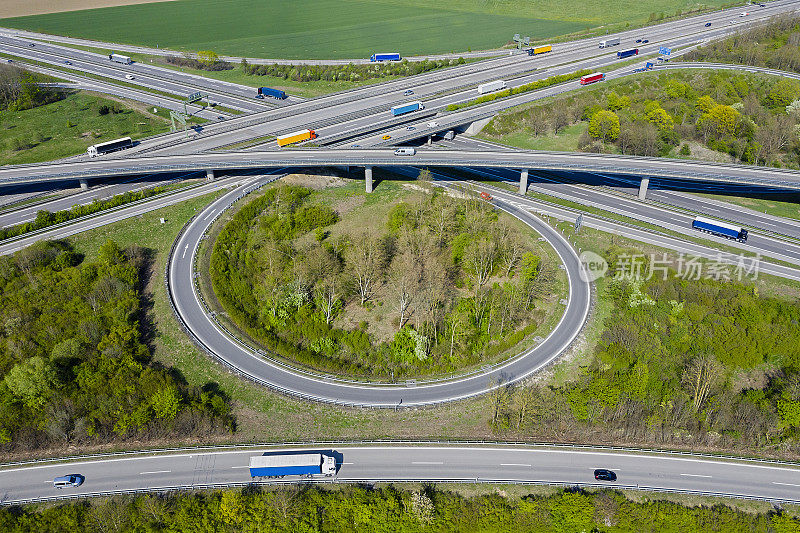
(296, 137)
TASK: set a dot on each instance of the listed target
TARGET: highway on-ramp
(328, 388)
(204, 468)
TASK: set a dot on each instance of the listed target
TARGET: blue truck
(274, 93)
(720, 229)
(406, 108)
(628, 53)
(292, 464)
(389, 56)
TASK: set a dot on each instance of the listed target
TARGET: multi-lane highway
(203, 468)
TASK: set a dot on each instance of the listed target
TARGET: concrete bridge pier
(84, 185)
(523, 181)
(368, 178)
(210, 174)
(430, 140)
(643, 188)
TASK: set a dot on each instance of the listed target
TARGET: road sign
(194, 97)
(578, 223)
(664, 51)
(521, 41)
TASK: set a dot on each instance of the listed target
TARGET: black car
(645, 41)
(708, 24)
(638, 40)
(601, 474)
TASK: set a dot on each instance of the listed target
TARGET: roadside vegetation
(776, 45)
(390, 508)
(75, 367)
(721, 116)
(419, 284)
(41, 124)
(45, 219)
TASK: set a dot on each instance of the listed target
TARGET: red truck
(592, 78)
(486, 196)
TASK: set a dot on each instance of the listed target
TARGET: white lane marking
(210, 213)
(427, 463)
(694, 475)
(185, 250)
(155, 472)
(786, 484)
(514, 464)
(345, 463)
(243, 466)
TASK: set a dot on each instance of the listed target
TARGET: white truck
(117, 58)
(491, 86)
(609, 42)
(292, 464)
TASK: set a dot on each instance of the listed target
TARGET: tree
(480, 257)
(604, 125)
(365, 258)
(721, 121)
(560, 116)
(783, 93)
(209, 57)
(705, 103)
(615, 102)
(32, 381)
(700, 376)
(405, 284)
(327, 298)
(660, 118)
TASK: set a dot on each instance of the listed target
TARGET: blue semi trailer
(393, 56)
(274, 93)
(292, 464)
(720, 229)
(628, 53)
(406, 108)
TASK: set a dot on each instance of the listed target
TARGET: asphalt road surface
(512, 464)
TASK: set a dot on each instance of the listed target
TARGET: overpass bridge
(211, 163)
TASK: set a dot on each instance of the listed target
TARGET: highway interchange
(353, 111)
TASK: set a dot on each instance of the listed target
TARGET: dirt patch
(21, 8)
(317, 182)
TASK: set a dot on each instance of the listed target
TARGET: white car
(743, 14)
(129, 76)
(432, 124)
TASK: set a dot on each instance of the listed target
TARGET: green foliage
(73, 365)
(604, 125)
(293, 293)
(46, 219)
(387, 509)
(721, 119)
(349, 72)
(533, 86)
(783, 93)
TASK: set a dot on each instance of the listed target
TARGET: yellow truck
(540, 50)
(296, 137)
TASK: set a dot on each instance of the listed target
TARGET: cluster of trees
(752, 118)
(207, 60)
(776, 45)
(533, 86)
(73, 365)
(680, 361)
(349, 72)
(446, 282)
(358, 508)
(20, 90)
(45, 219)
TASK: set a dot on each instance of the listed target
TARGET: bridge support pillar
(430, 140)
(210, 174)
(368, 178)
(523, 181)
(643, 188)
(84, 185)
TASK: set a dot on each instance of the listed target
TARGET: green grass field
(343, 28)
(67, 127)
